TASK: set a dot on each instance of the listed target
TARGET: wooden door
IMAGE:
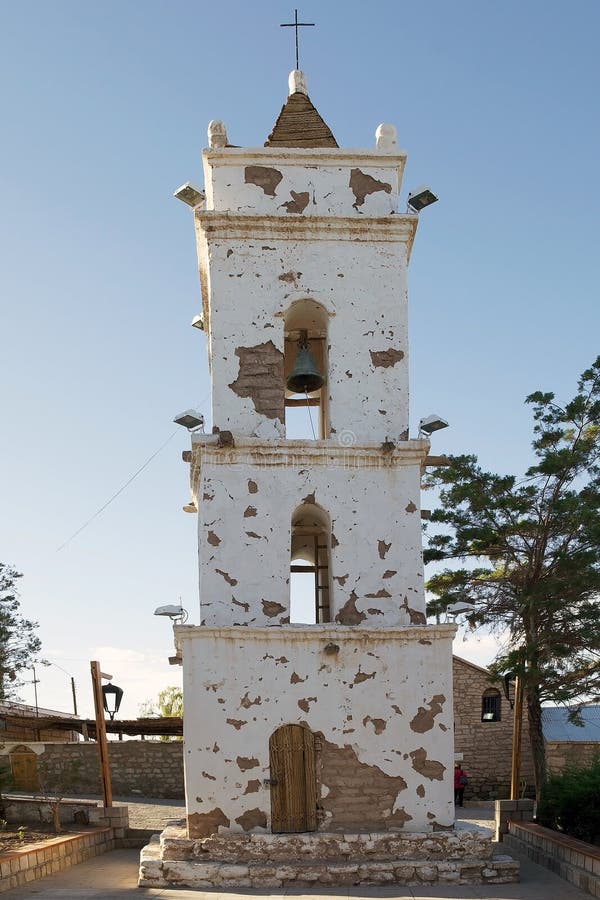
(24, 769)
(293, 780)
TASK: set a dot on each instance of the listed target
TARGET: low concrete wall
(19, 867)
(24, 809)
(575, 861)
(507, 811)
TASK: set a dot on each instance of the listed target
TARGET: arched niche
(306, 320)
(309, 565)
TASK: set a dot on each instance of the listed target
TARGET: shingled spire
(299, 124)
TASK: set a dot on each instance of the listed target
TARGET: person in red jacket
(460, 783)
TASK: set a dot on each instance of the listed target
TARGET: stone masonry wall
(148, 768)
(561, 754)
(486, 747)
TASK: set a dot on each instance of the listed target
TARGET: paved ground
(113, 877)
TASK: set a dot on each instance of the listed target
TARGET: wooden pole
(101, 733)
(74, 696)
(515, 774)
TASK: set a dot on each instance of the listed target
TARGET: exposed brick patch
(360, 796)
(271, 608)
(430, 768)
(247, 762)
(263, 177)
(424, 719)
(253, 786)
(383, 548)
(200, 825)
(260, 378)
(362, 185)
(252, 818)
(349, 614)
(384, 359)
(298, 203)
(416, 616)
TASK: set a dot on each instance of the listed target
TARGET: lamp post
(100, 704)
(111, 699)
(517, 707)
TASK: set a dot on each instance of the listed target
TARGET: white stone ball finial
(217, 134)
(386, 138)
(297, 82)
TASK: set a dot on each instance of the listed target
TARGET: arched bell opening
(309, 567)
(305, 370)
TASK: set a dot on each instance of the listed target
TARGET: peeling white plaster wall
(238, 688)
(246, 498)
(286, 225)
(360, 283)
(274, 181)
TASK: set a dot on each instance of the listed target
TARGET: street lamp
(111, 699)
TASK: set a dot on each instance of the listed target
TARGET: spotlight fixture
(172, 611)
(190, 194)
(190, 419)
(430, 424)
(420, 198)
(190, 507)
(198, 322)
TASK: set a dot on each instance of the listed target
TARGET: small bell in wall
(305, 376)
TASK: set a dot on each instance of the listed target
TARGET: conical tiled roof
(299, 124)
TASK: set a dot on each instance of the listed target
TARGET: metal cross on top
(296, 24)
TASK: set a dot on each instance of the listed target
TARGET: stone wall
(486, 747)
(148, 768)
(561, 754)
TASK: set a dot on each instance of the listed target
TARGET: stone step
(157, 872)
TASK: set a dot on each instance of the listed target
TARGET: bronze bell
(304, 377)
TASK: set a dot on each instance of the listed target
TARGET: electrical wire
(120, 491)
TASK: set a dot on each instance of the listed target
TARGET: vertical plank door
(293, 780)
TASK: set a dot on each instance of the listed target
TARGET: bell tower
(339, 728)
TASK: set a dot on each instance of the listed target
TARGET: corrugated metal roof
(556, 725)
(300, 125)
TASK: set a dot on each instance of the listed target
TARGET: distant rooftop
(556, 725)
(299, 124)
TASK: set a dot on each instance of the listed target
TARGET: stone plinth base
(274, 860)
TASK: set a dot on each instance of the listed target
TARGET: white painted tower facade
(344, 725)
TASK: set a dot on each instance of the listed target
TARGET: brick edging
(19, 867)
(573, 860)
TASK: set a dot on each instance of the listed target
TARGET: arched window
(490, 705)
(306, 329)
(309, 569)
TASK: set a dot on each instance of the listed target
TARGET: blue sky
(104, 110)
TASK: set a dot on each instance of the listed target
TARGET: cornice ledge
(325, 452)
(350, 633)
(397, 227)
(302, 156)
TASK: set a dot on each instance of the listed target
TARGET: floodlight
(198, 322)
(420, 198)
(190, 507)
(190, 419)
(172, 611)
(190, 194)
(456, 609)
(431, 423)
